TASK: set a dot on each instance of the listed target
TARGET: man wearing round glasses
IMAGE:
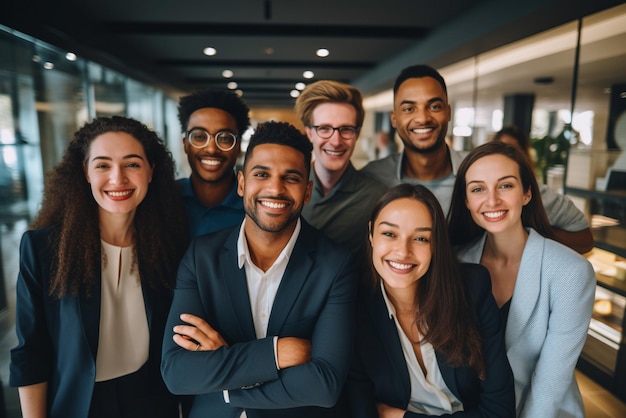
(332, 114)
(212, 122)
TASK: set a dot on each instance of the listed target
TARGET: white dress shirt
(263, 285)
(429, 394)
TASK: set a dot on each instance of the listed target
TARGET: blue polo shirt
(205, 219)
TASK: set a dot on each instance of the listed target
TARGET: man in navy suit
(262, 319)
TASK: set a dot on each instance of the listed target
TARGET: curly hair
(281, 133)
(442, 304)
(328, 91)
(225, 100)
(68, 204)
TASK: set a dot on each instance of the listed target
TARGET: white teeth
(421, 130)
(120, 194)
(494, 215)
(400, 266)
(274, 205)
(334, 153)
(211, 162)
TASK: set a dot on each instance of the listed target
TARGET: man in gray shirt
(342, 197)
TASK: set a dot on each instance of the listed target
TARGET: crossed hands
(197, 335)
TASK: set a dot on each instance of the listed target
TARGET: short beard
(252, 214)
(429, 150)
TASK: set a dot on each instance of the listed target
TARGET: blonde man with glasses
(332, 114)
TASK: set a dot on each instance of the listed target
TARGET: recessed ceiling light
(232, 85)
(239, 92)
(308, 74)
(294, 93)
(48, 65)
(70, 56)
(210, 51)
(227, 74)
(268, 51)
(322, 52)
(300, 86)
(36, 58)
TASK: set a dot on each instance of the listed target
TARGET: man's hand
(386, 411)
(198, 335)
(292, 351)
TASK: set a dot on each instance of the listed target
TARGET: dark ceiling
(268, 44)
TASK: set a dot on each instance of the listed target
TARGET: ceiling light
(300, 86)
(239, 92)
(232, 85)
(308, 74)
(36, 58)
(294, 93)
(70, 56)
(268, 51)
(227, 74)
(209, 51)
(322, 52)
(48, 65)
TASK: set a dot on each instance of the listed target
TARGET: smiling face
(210, 164)
(495, 195)
(401, 243)
(421, 114)
(274, 187)
(332, 154)
(118, 172)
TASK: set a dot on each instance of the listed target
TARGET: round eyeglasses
(199, 138)
(326, 131)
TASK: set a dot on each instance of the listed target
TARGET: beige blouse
(124, 336)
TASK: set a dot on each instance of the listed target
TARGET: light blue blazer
(547, 325)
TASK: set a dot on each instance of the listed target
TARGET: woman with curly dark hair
(97, 270)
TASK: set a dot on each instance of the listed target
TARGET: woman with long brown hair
(429, 340)
(544, 289)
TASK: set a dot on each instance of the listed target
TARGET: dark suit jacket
(380, 374)
(58, 338)
(315, 300)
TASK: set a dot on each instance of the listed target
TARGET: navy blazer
(58, 338)
(380, 374)
(315, 300)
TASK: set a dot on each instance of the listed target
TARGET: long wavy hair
(463, 229)
(443, 313)
(69, 205)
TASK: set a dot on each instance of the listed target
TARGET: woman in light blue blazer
(544, 289)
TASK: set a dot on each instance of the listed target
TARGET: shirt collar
(243, 253)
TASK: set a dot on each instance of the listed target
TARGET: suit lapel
(235, 280)
(386, 328)
(527, 287)
(294, 278)
(89, 312)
